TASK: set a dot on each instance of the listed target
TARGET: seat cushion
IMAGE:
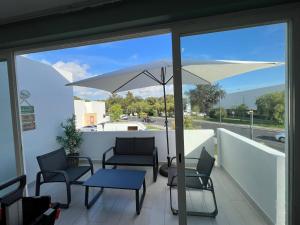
(144, 146)
(133, 160)
(124, 146)
(74, 173)
(190, 182)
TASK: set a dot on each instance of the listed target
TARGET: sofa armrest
(104, 156)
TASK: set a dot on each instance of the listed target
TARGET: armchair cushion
(190, 182)
(74, 173)
(56, 160)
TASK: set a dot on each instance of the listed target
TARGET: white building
(89, 113)
(44, 102)
(248, 97)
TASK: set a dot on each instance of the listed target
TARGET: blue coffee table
(117, 179)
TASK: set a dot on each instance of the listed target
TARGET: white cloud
(78, 71)
(89, 93)
(155, 91)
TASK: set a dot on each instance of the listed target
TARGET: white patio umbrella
(161, 73)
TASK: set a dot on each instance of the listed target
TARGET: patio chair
(196, 178)
(55, 168)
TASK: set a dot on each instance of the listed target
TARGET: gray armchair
(55, 168)
(196, 178)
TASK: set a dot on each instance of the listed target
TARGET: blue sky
(263, 43)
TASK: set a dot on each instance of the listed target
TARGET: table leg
(139, 203)
(89, 204)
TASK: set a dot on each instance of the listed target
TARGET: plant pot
(73, 162)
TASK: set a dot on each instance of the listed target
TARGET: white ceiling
(16, 10)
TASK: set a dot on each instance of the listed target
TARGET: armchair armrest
(104, 155)
(84, 157)
(184, 158)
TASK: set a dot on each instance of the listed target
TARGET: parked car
(280, 137)
(90, 128)
(124, 117)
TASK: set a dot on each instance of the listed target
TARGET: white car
(280, 137)
(124, 117)
(89, 128)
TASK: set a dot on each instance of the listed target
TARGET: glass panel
(236, 112)
(7, 148)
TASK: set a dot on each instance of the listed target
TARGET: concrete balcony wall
(95, 143)
(259, 170)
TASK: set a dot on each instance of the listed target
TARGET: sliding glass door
(9, 159)
(231, 94)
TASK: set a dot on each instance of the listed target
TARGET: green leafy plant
(71, 138)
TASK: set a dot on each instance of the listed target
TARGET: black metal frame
(208, 187)
(138, 201)
(67, 181)
(154, 165)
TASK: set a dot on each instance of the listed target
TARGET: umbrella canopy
(193, 72)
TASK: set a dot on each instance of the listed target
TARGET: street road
(262, 135)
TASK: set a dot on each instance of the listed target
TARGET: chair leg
(174, 211)
(38, 184)
(68, 186)
(154, 173)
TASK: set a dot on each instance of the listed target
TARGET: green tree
(112, 100)
(215, 113)
(271, 106)
(115, 111)
(241, 110)
(205, 96)
(188, 122)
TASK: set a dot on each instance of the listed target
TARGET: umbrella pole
(164, 168)
(166, 124)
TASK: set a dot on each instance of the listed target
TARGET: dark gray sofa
(133, 152)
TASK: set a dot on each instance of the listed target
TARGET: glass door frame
(9, 57)
(235, 21)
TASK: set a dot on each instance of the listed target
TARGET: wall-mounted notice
(28, 118)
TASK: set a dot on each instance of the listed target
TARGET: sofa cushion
(134, 160)
(144, 146)
(124, 146)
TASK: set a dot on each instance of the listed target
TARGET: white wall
(53, 104)
(82, 107)
(95, 143)
(258, 169)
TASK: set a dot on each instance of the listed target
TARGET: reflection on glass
(7, 148)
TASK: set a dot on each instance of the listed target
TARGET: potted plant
(70, 140)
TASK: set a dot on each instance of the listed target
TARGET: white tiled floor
(117, 207)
